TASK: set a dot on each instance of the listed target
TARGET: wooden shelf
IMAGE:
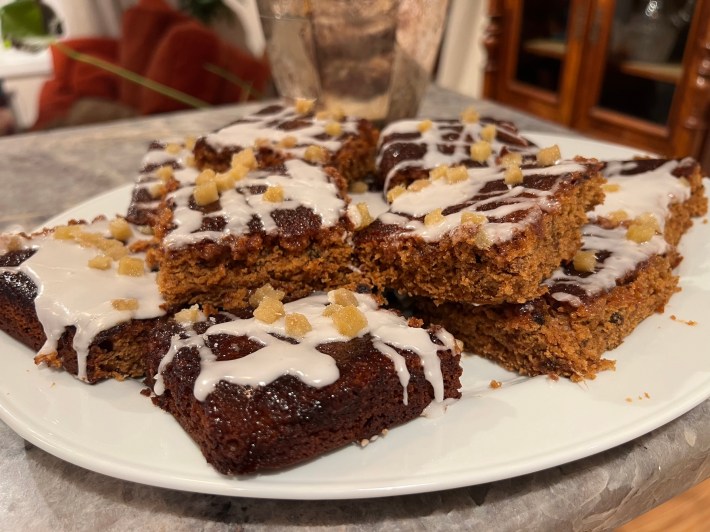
(666, 72)
(546, 48)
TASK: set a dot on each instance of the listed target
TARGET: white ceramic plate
(529, 424)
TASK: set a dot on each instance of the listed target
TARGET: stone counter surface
(44, 174)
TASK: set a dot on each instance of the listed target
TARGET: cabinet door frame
(687, 122)
(504, 87)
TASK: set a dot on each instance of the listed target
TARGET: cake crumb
(629, 400)
(646, 395)
(495, 384)
(692, 323)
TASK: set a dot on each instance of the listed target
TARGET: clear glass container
(369, 58)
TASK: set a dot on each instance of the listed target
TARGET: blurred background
(630, 71)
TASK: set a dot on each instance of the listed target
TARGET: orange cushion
(178, 62)
(143, 28)
(75, 79)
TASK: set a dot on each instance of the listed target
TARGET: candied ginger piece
(265, 291)
(297, 325)
(269, 310)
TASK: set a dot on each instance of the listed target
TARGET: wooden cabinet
(635, 72)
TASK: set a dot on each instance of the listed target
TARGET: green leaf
(22, 18)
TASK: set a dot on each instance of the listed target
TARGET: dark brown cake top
(292, 339)
(426, 144)
(290, 129)
(287, 200)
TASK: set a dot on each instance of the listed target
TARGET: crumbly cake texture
(287, 225)
(258, 396)
(472, 235)
(410, 149)
(81, 296)
(278, 132)
(622, 275)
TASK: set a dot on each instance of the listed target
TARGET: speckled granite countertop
(39, 491)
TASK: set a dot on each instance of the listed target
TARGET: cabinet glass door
(644, 57)
(543, 44)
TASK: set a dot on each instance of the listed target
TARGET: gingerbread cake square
(235, 231)
(622, 275)
(480, 235)
(280, 132)
(299, 379)
(81, 296)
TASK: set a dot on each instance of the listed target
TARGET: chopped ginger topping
(473, 218)
(488, 133)
(419, 184)
(585, 261)
(349, 320)
(304, 106)
(334, 129)
(511, 158)
(225, 181)
(289, 141)
(513, 175)
(189, 315)
(206, 176)
(164, 173)
(157, 190)
(206, 193)
(331, 309)
(438, 172)
(131, 266)
(358, 187)
(456, 174)
(483, 241)
(265, 291)
(274, 194)
(125, 304)
(549, 156)
(395, 192)
(424, 125)
(120, 229)
(435, 217)
(470, 115)
(190, 142)
(244, 158)
(342, 297)
(642, 228)
(365, 216)
(269, 310)
(316, 154)
(100, 262)
(481, 151)
(297, 325)
(616, 217)
(173, 148)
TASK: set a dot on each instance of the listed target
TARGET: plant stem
(246, 87)
(132, 76)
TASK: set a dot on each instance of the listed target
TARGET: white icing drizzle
(278, 357)
(70, 293)
(251, 128)
(154, 159)
(441, 195)
(303, 185)
(435, 136)
(652, 191)
(625, 256)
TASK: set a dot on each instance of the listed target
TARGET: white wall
(462, 54)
